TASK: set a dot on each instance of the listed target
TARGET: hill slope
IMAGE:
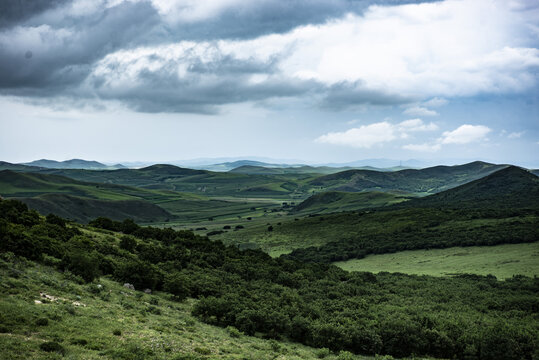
(426, 181)
(85, 210)
(510, 187)
(333, 201)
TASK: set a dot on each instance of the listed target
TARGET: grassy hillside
(423, 181)
(333, 237)
(105, 320)
(335, 201)
(289, 184)
(84, 210)
(318, 305)
(511, 187)
(502, 261)
(83, 201)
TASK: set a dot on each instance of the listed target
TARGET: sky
(317, 81)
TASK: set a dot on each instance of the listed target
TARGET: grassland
(105, 320)
(502, 261)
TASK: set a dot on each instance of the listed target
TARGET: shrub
(233, 332)
(81, 342)
(345, 355)
(117, 332)
(52, 346)
(177, 285)
(54, 219)
(42, 322)
(323, 353)
(128, 243)
(202, 351)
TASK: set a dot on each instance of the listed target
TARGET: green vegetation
(104, 320)
(502, 261)
(83, 201)
(334, 201)
(318, 305)
(424, 181)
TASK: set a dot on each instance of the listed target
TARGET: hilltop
(511, 187)
(422, 181)
(72, 164)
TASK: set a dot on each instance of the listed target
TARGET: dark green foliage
(52, 346)
(177, 284)
(128, 243)
(474, 317)
(56, 220)
(117, 332)
(42, 322)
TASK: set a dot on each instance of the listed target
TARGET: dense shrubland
(388, 231)
(467, 317)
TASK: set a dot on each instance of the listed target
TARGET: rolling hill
(333, 201)
(423, 181)
(468, 215)
(511, 187)
(84, 210)
(81, 200)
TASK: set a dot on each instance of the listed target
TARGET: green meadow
(502, 261)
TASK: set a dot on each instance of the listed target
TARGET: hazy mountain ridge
(72, 164)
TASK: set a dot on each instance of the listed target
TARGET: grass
(105, 320)
(502, 261)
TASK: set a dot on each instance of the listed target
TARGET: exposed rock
(129, 286)
(147, 291)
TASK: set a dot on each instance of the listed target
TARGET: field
(502, 261)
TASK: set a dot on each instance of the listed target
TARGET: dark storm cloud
(256, 18)
(199, 90)
(16, 11)
(47, 49)
(62, 57)
(349, 94)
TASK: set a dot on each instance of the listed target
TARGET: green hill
(500, 208)
(333, 201)
(425, 181)
(82, 201)
(85, 210)
(511, 187)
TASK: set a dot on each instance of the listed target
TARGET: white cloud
(419, 111)
(422, 50)
(423, 147)
(417, 125)
(364, 136)
(515, 135)
(465, 134)
(435, 102)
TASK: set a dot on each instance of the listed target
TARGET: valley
(269, 264)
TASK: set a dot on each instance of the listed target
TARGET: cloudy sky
(311, 80)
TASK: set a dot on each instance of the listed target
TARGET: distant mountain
(428, 180)
(511, 187)
(229, 166)
(72, 164)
